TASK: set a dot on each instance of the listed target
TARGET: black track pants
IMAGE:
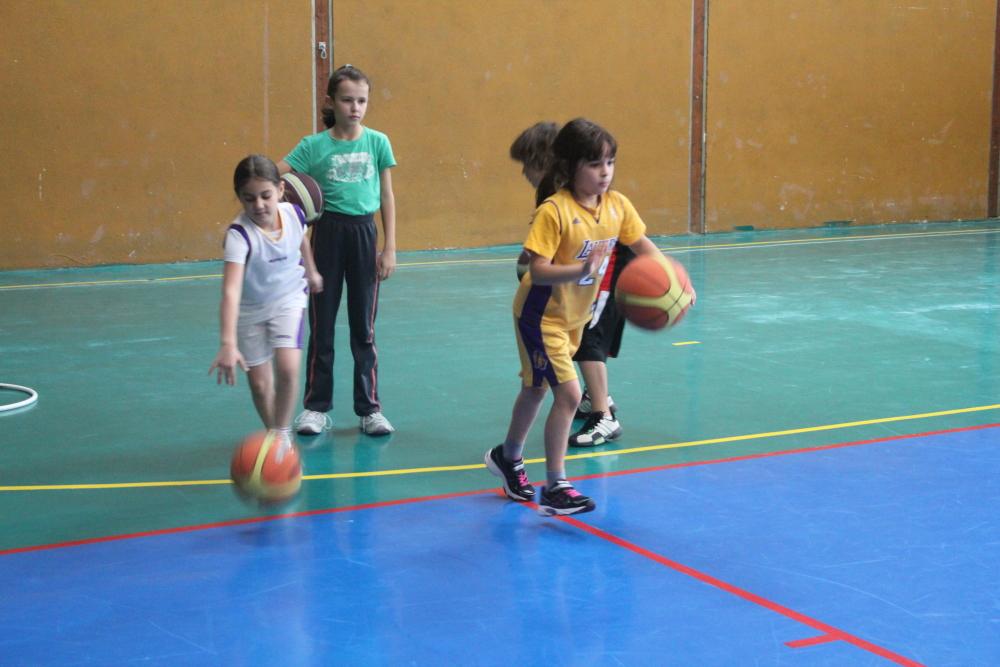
(344, 247)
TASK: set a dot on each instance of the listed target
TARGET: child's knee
(567, 396)
(286, 374)
(259, 382)
(534, 394)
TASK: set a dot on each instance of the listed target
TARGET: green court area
(798, 339)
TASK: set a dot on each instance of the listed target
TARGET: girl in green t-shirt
(351, 163)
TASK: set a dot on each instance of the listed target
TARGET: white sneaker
(311, 422)
(376, 424)
(598, 429)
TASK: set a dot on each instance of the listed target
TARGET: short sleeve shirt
(273, 262)
(567, 232)
(348, 171)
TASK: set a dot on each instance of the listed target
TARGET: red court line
(238, 522)
(812, 641)
(460, 494)
(830, 633)
(784, 452)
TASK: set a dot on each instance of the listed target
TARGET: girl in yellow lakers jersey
(568, 244)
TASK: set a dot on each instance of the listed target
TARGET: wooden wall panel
(124, 120)
(455, 82)
(847, 110)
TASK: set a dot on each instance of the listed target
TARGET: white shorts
(259, 336)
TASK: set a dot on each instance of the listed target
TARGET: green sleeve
(298, 159)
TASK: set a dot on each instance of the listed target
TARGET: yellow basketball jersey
(566, 232)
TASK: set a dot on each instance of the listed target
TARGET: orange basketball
(654, 292)
(264, 471)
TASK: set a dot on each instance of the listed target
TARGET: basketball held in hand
(654, 292)
(304, 192)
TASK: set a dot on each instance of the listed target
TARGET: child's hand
(596, 258)
(226, 361)
(315, 282)
(386, 264)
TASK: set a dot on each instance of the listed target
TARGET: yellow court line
(476, 466)
(123, 281)
(445, 262)
(470, 260)
(773, 434)
(831, 239)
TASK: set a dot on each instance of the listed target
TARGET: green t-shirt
(348, 171)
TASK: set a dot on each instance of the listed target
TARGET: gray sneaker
(376, 424)
(310, 422)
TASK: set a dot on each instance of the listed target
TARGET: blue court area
(807, 473)
(878, 553)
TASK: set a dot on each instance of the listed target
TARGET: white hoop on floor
(32, 397)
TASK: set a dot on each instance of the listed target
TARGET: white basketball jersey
(273, 261)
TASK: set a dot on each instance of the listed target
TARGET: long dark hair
(255, 166)
(580, 140)
(346, 72)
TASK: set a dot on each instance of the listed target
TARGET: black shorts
(604, 339)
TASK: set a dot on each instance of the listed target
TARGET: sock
(513, 451)
(554, 477)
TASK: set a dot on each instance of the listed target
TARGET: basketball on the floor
(265, 472)
(654, 292)
(303, 191)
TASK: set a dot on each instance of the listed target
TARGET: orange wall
(848, 110)
(455, 82)
(123, 120)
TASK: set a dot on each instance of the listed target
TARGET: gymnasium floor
(809, 473)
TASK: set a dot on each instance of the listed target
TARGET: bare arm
(544, 272)
(313, 277)
(284, 167)
(387, 259)
(229, 354)
(645, 247)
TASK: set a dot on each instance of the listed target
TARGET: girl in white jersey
(268, 267)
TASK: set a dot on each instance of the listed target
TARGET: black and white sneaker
(563, 499)
(586, 406)
(511, 473)
(597, 430)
